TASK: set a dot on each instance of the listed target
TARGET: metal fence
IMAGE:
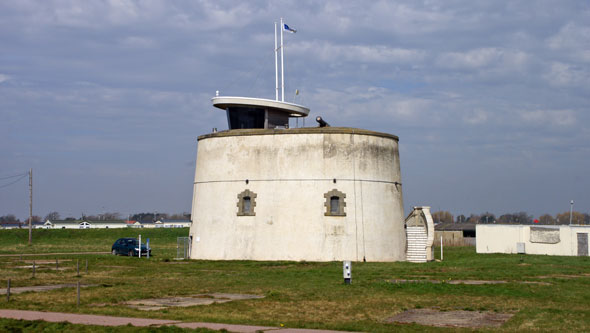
(183, 247)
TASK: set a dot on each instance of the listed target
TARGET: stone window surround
(240, 204)
(341, 203)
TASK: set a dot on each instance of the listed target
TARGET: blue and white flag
(286, 28)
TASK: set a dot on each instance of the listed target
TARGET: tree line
(109, 216)
(512, 218)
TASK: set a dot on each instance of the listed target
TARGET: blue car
(129, 247)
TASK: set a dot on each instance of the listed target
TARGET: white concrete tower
(264, 191)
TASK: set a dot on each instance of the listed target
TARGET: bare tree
(442, 217)
(546, 219)
(516, 218)
(10, 218)
(52, 216)
(111, 216)
(473, 218)
(183, 216)
(487, 218)
(564, 218)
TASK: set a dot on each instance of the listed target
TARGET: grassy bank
(543, 292)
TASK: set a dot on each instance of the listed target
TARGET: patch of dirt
(114, 266)
(470, 282)
(99, 305)
(39, 267)
(44, 262)
(469, 319)
(562, 276)
(200, 299)
(18, 290)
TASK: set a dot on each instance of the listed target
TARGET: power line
(7, 177)
(22, 177)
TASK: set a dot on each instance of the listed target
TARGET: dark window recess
(277, 119)
(468, 233)
(245, 117)
(247, 204)
(334, 204)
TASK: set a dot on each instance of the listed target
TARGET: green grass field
(543, 292)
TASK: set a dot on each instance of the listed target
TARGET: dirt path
(143, 322)
(18, 290)
(49, 254)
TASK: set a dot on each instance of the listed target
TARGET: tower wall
(290, 176)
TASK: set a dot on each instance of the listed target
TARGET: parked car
(129, 246)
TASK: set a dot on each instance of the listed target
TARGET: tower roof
(293, 110)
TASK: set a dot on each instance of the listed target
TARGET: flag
(286, 28)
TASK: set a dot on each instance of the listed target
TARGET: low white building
(563, 240)
(85, 224)
(163, 223)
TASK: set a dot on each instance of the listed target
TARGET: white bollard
(347, 272)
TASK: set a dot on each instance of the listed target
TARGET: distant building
(561, 240)
(455, 234)
(85, 224)
(163, 223)
(172, 223)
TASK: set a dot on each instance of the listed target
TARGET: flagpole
(276, 66)
(282, 65)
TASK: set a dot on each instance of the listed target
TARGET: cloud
(475, 117)
(329, 52)
(4, 78)
(564, 74)
(572, 37)
(138, 42)
(482, 58)
(562, 118)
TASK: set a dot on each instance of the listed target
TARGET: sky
(104, 100)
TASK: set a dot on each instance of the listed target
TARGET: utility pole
(30, 206)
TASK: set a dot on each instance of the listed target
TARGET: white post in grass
(139, 246)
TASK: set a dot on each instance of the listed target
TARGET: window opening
(335, 203)
(246, 203)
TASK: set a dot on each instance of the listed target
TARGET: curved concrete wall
(290, 171)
